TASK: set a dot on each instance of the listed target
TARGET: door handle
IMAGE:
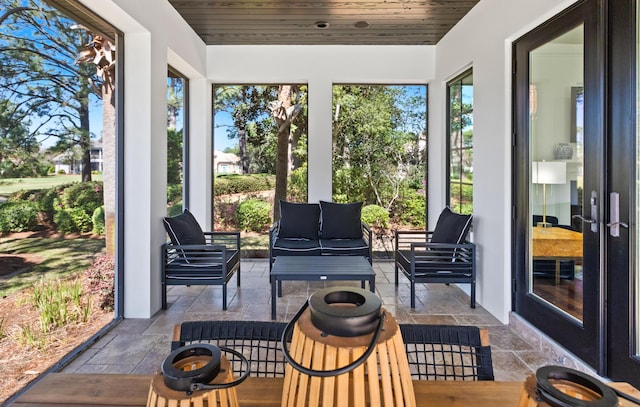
(585, 220)
(614, 215)
(593, 221)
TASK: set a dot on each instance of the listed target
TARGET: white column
(200, 151)
(320, 140)
(145, 168)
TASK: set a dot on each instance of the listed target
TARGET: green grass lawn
(62, 258)
(11, 185)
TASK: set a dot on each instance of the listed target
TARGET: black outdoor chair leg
(413, 294)
(396, 274)
(473, 294)
(224, 296)
(238, 274)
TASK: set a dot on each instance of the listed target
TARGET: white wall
(483, 40)
(320, 67)
(150, 47)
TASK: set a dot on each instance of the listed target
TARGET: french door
(575, 183)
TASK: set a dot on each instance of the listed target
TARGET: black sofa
(316, 229)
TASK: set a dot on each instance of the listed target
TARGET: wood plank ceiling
(322, 22)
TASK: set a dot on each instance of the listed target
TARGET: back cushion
(184, 229)
(451, 227)
(299, 220)
(340, 221)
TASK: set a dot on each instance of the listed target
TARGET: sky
(222, 120)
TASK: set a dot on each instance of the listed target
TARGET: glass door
(558, 156)
(623, 178)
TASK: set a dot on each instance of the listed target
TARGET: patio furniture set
(326, 241)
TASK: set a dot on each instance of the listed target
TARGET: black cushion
(340, 221)
(451, 227)
(184, 229)
(306, 247)
(299, 220)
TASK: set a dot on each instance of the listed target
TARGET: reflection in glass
(556, 100)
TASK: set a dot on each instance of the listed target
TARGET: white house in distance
(226, 163)
(70, 162)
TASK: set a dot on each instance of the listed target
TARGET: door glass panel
(556, 101)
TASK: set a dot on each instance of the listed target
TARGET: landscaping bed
(37, 274)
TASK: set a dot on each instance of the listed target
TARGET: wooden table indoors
(556, 244)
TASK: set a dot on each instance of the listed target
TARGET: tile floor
(140, 345)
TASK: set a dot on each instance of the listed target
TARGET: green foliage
(235, 183)
(378, 134)
(174, 157)
(225, 214)
(254, 215)
(18, 216)
(84, 195)
(101, 276)
(43, 198)
(412, 209)
(376, 216)
(60, 303)
(174, 193)
(98, 221)
(297, 185)
(175, 209)
(72, 220)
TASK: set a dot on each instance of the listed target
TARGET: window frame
(461, 149)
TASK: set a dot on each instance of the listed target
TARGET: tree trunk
(109, 165)
(85, 140)
(282, 155)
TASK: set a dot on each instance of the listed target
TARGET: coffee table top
(324, 265)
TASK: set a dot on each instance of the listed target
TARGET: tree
(284, 110)
(17, 147)
(101, 52)
(39, 74)
(374, 148)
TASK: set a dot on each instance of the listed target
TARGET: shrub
(72, 220)
(174, 192)
(18, 216)
(98, 221)
(101, 277)
(84, 195)
(254, 215)
(297, 185)
(175, 209)
(413, 209)
(225, 214)
(235, 183)
(375, 215)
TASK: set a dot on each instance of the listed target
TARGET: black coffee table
(319, 268)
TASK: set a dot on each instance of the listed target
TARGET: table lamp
(548, 173)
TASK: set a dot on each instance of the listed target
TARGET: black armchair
(194, 257)
(441, 256)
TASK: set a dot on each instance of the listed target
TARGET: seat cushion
(302, 247)
(299, 220)
(356, 247)
(184, 229)
(451, 227)
(340, 220)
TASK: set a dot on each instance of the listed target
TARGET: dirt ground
(20, 364)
